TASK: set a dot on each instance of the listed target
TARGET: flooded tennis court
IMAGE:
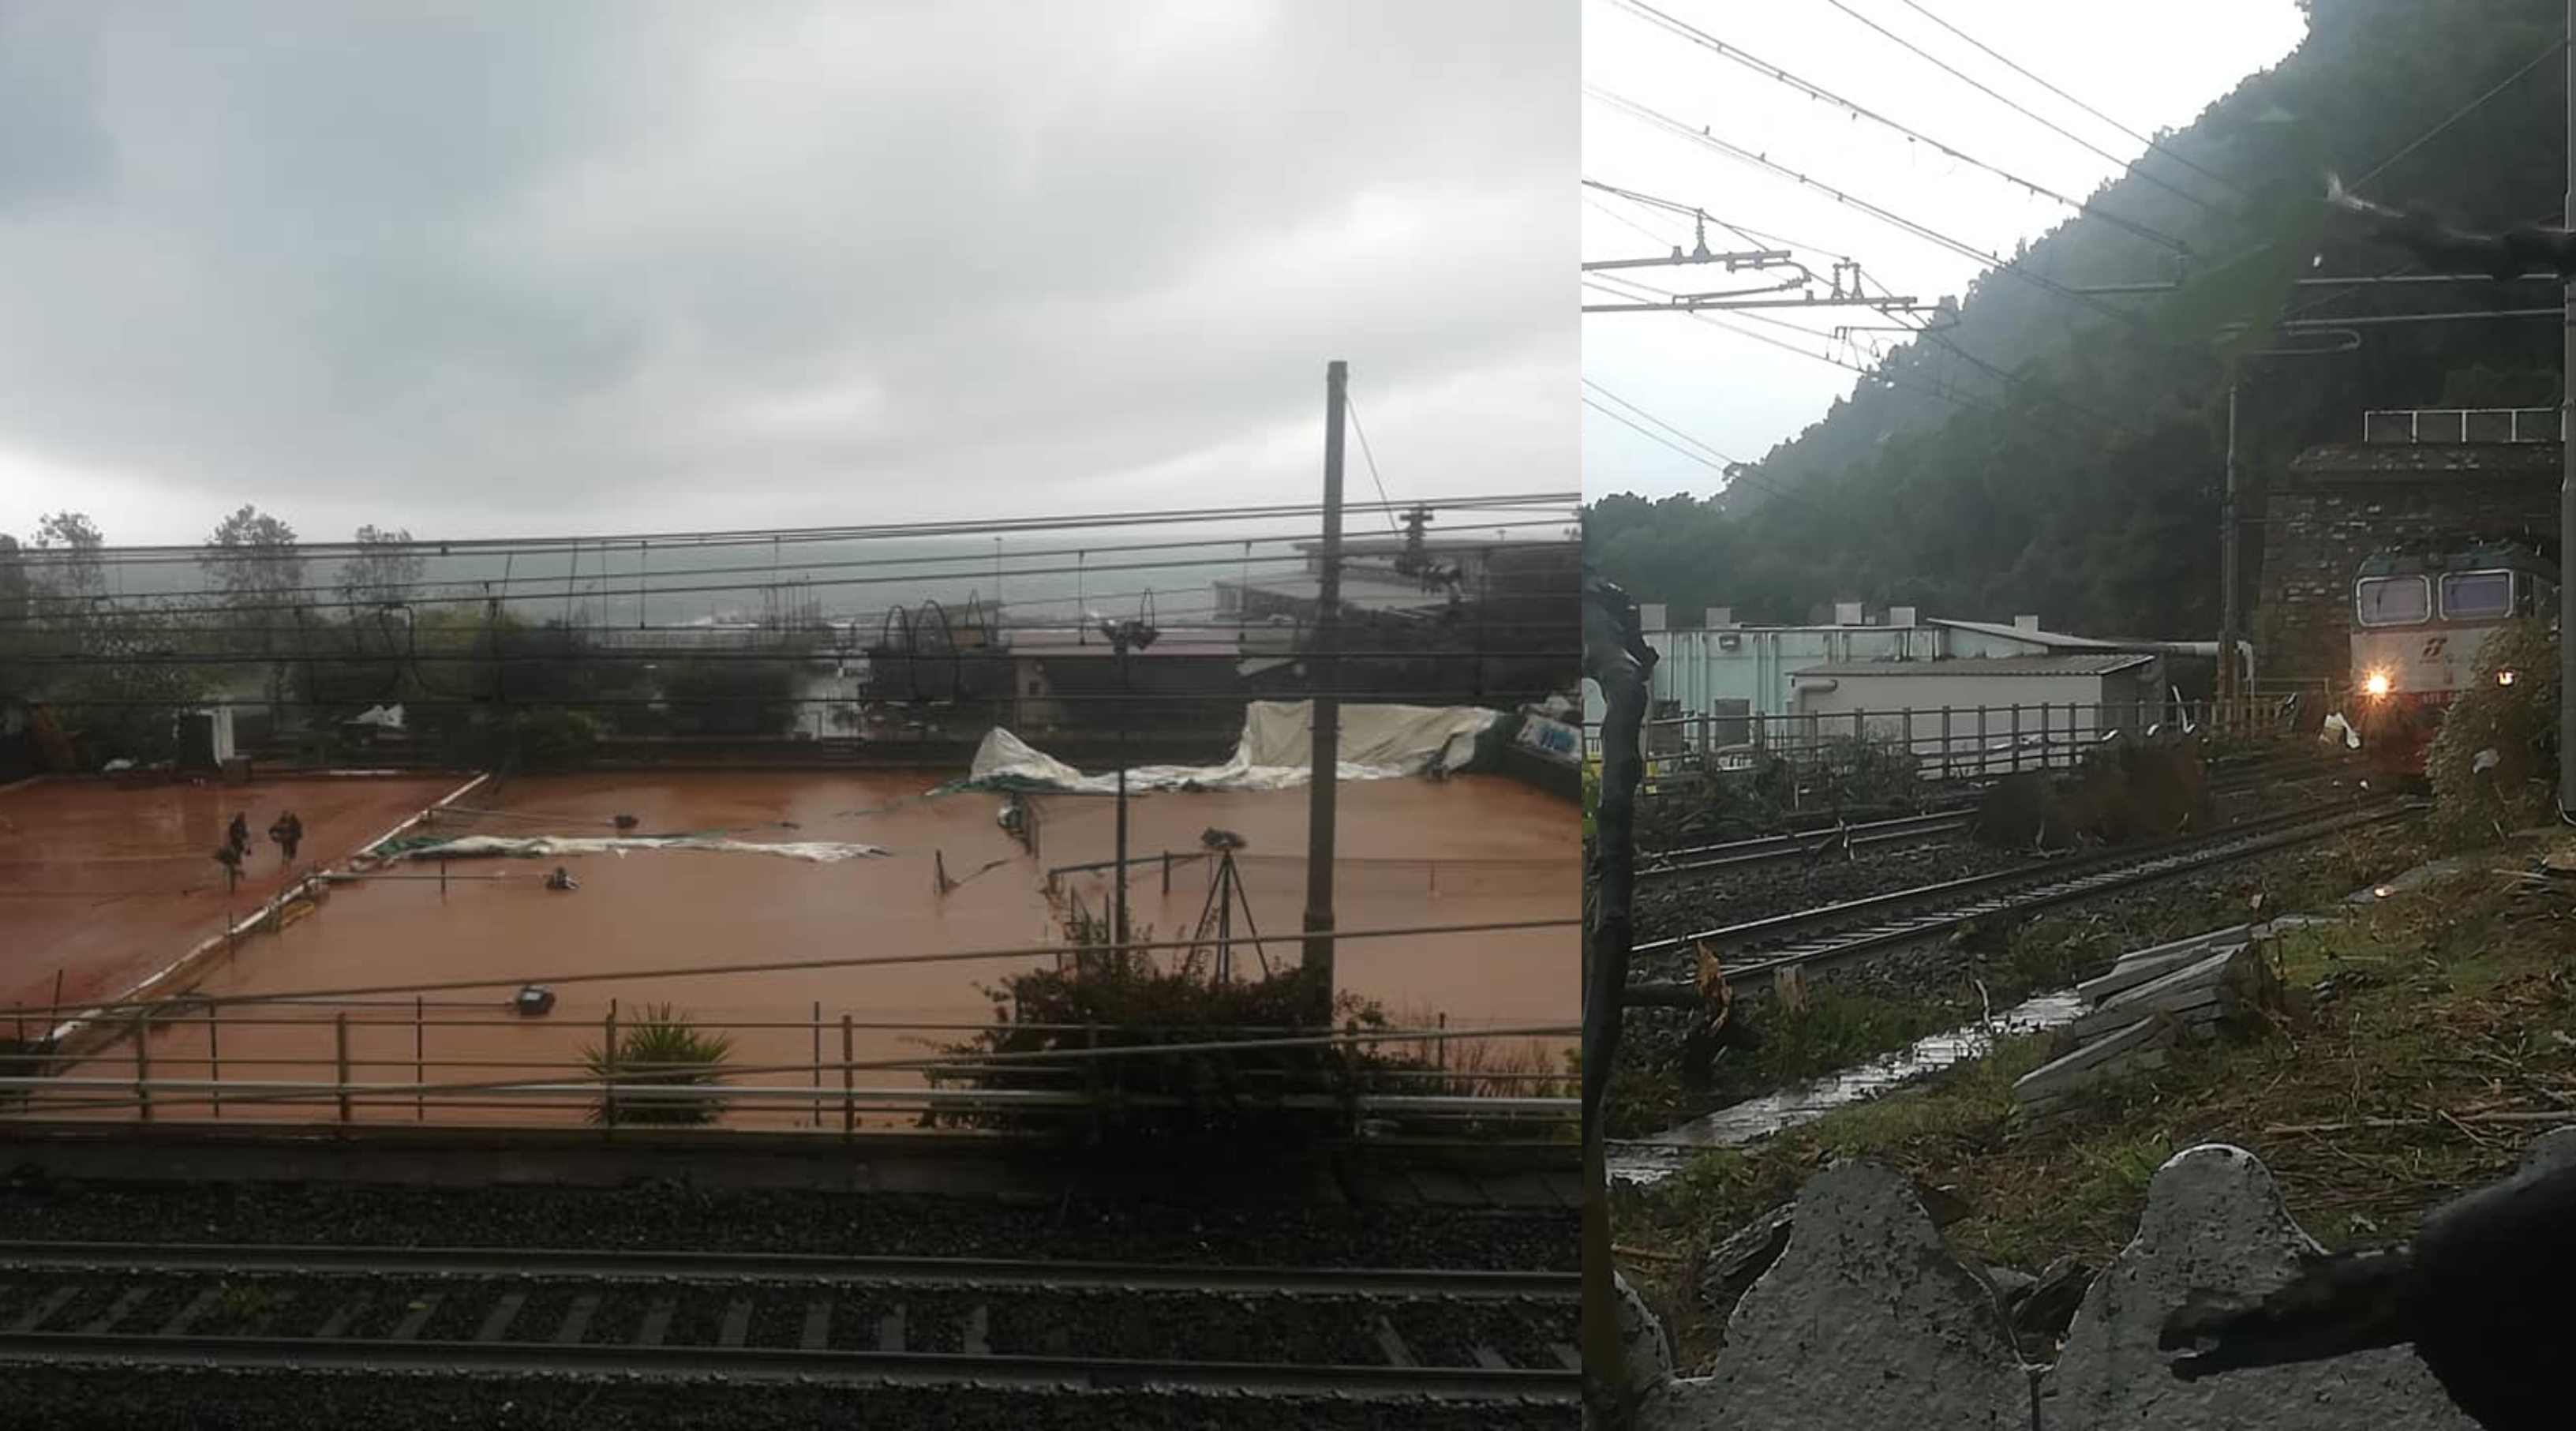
(804, 869)
(103, 884)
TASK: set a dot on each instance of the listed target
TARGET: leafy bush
(2519, 723)
(553, 739)
(1223, 1097)
(663, 1047)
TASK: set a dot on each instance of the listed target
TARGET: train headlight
(2504, 678)
(2376, 683)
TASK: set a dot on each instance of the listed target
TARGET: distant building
(1942, 683)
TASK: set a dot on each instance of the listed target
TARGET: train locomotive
(2420, 615)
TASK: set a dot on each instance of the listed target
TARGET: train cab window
(2477, 595)
(2394, 600)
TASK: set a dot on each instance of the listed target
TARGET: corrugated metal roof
(2054, 640)
(2087, 665)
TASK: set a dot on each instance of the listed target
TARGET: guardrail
(415, 1061)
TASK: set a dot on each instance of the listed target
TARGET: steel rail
(663, 1363)
(185, 1259)
(1825, 934)
(1931, 824)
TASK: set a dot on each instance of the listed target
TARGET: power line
(2547, 53)
(1370, 458)
(325, 601)
(1659, 422)
(2054, 127)
(765, 536)
(849, 961)
(1852, 201)
(1816, 91)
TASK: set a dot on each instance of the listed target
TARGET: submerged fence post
(419, 1059)
(214, 1063)
(849, 1101)
(818, 1063)
(1945, 743)
(610, 1067)
(143, 1067)
(340, 1038)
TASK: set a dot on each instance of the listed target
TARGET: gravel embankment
(75, 1400)
(673, 1217)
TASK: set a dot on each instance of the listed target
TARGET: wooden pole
(419, 1059)
(818, 1063)
(849, 1102)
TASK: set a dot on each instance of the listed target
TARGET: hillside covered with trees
(2056, 453)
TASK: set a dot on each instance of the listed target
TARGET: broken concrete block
(2215, 1222)
(1650, 1352)
(2145, 965)
(2551, 1150)
(1865, 1323)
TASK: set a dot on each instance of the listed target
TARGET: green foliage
(2084, 483)
(661, 1048)
(1223, 1098)
(729, 695)
(552, 739)
(2519, 723)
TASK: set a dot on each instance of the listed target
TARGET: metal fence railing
(422, 1061)
(2458, 425)
(1946, 743)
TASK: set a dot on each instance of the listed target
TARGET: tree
(70, 576)
(383, 570)
(252, 562)
(251, 559)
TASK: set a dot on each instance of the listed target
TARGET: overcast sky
(615, 266)
(2150, 64)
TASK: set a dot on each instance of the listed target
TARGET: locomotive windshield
(2477, 595)
(2394, 600)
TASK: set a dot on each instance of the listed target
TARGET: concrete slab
(2091, 1063)
(2215, 1222)
(2187, 987)
(1864, 1324)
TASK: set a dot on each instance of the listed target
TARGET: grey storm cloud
(618, 265)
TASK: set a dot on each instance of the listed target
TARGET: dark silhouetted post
(1323, 664)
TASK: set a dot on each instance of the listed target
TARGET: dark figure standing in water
(239, 834)
(288, 832)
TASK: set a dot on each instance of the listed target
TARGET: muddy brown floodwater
(1411, 852)
(106, 883)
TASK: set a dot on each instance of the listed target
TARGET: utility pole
(1323, 663)
(2230, 618)
(2567, 492)
(1124, 636)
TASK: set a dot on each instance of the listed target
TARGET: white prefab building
(1946, 685)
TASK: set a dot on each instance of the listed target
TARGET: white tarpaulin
(542, 846)
(1378, 742)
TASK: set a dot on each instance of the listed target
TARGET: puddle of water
(1651, 1160)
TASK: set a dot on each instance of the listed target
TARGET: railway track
(970, 1323)
(1658, 865)
(1830, 934)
